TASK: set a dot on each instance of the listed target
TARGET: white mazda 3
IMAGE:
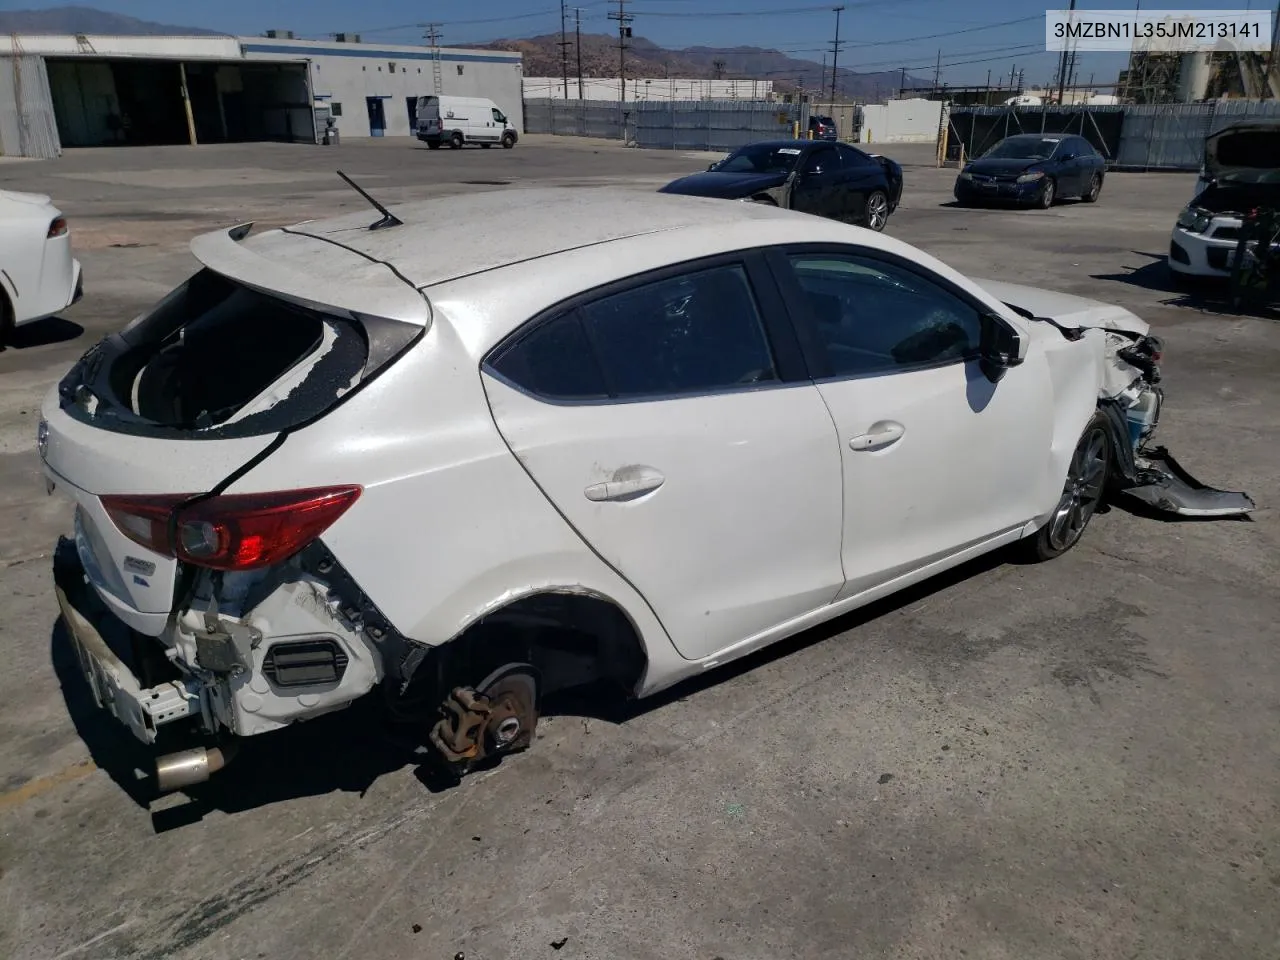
(473, 467)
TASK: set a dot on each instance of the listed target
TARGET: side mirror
(712, 166)
(999, 347)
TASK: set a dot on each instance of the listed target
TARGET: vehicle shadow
(1199, 293)
(42, 333)
(342, 752)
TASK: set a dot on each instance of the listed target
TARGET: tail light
(58, 228)
(231, 532)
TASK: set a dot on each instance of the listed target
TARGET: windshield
(760, 158)
(1020, 148)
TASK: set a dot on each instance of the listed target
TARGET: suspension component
(498, 716)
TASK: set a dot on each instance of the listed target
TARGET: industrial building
(79, 91)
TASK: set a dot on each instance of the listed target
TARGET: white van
(459, 120)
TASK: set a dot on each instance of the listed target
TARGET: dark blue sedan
(1033, 169)
(827, 179)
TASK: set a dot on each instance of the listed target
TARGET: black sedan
(1034, 169)
(827, 179)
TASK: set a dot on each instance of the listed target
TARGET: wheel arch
(574, 635)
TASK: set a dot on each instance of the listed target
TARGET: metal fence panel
(1131, 137)
(27, 124)
(719, 125)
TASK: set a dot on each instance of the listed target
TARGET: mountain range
(644, 58)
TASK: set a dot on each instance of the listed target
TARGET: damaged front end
(1141, 470)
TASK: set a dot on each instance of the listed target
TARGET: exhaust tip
(188, 767)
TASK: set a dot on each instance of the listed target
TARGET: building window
(335, 109)
(419, 69)
(459, 69)
(379, 69)
(391, 66)
(363, 68)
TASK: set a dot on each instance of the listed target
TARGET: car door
(817, 188)
(937, 459)
(861, 176)
(672, 423)
(1078, 165)
(1091, 163)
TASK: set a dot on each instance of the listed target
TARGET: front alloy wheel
(1081, 493)
(1044, 199)
(877, 212)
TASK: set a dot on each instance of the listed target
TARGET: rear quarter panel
(449, 526)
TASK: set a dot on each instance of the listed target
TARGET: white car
(38, 274)
(1241, 172)
(480, 468)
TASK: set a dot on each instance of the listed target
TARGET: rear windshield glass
(214, 351)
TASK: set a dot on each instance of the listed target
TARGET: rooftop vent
(347, 37)
(279, 35)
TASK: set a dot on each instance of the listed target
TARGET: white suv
(476, 469)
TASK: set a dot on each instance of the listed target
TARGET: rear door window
(700, 332)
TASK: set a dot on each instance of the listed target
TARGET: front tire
(1086, 481)
(508, 141)
(1048, 193)
(1095, 188)
(875, 213)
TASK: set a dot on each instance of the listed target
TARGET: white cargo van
(459, 120)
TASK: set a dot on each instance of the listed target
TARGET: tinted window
(855, 158)
(498, 117)
(1083, 148)
(692, 333)
(822, 160)
(554, 360)
(873, 317)
(761, 158)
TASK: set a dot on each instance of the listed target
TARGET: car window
(1083, 148)
(822, 160)
(852, 157)
(694, 333)
(554, 360)
(498, 117)
(874, 317)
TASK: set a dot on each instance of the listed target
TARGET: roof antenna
(389, 219)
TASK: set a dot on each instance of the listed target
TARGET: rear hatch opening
(217, 358)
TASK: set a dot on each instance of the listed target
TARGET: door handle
(624, 486)
(881, 435)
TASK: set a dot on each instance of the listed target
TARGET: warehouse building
(77, 91)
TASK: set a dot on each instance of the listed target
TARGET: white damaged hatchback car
(40, 276)
(474, 468)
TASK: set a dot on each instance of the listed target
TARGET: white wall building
(641, 88)
(98, 90)
(901, 121)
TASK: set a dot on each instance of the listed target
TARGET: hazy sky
(995, 35)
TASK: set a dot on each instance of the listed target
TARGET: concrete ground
(1071, 760)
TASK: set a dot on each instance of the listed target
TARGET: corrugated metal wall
(1131, 137)
(717, 125)
(27, 124)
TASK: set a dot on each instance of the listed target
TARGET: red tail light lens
(58, 228)
(231, 532)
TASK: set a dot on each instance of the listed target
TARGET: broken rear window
(220, 359)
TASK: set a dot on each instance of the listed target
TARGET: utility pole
(577, 33)
(902, 83)
(1062, 62)
(564, 51)
(624, 34)
(437, 73)
(822, 79)
(835, 53)
(937, 72)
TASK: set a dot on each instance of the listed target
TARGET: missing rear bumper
(1165, 485)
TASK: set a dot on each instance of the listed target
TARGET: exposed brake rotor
(498, 716)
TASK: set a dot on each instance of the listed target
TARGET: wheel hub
(499, 717)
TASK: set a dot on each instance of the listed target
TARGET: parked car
(1241, 172)
(462, 120)
(477, 472)
(827, 179)
(823, 128)
(1033, 169)
(40, 276)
